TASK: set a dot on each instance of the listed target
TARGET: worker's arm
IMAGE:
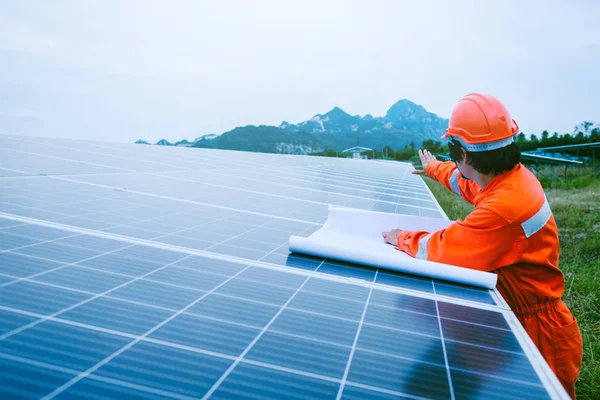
(450, 177)
(483, 241)
(447, 174)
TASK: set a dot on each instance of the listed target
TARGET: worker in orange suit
(511, 231)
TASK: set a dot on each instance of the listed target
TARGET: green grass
(576, 208)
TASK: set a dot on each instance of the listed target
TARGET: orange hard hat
(480, 122)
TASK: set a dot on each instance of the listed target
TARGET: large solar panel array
(148, 272)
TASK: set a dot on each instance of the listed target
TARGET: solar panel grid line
(449, 375)
(249, 347)
(353, 349)
(96, 296)
(130, 344)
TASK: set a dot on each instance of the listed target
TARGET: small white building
(357, 151)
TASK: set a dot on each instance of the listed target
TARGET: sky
(120, 70)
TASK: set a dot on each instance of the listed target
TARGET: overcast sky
(123, 70)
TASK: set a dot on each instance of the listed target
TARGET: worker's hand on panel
(391, 237)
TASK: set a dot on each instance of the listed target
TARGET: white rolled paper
(354, 236)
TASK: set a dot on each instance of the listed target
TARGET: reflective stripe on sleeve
(538, 220)
(454, 182)
(422, 253)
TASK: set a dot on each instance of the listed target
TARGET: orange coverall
(511, 232)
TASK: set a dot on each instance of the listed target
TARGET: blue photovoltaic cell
(20, 380)
(91, 242)
(359, 393)
(10, 320)
(405, 281)
(62, 345)
(92, 389)
(401, 344)
(480, 335)
(268, 275)
(256, 291)
(464, 292)
(204, 264)
(122, 265)
(327, 305)
(57, 252)
(336, 289)
(248, 382)
(9, 242)
(207, 334)
(300, 354)
(234, 310)
(403, 302)
(500, 363)
(83, 279)
(23, 266)
(400, 375)
(403, 320)
(295, 328)
(41, 233)
(187, 278)
(316, 327)
(166, 368)
(37, 298)
(157, 294)
(348, 270)
(117, 315)
(468, 386)
(473, 315)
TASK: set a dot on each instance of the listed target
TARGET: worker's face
(463, 167)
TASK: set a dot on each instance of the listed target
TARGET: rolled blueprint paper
(354, 236)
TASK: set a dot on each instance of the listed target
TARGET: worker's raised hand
(426, 159)
(391, 237)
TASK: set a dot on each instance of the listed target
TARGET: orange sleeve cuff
(403, 242)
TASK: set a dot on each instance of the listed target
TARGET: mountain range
(404, 122)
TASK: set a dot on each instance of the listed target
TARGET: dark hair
(488, 162)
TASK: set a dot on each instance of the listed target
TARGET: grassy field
(576, 207)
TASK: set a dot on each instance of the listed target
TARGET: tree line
(586, 132)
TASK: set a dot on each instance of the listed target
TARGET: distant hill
(141, 141)
(264, 139)
(403, 123)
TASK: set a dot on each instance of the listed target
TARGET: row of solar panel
(176, 324)
(69, 247)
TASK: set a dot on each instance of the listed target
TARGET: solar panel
(140, 271)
